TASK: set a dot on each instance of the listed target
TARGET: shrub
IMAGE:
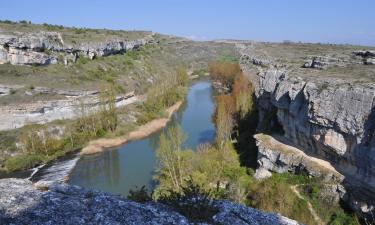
(275, 195)
(223, 71)
(82, 60)
(23, 161)
(139, 195)
(342, 218)
(194, 202)
(164, 94)
(7, 21)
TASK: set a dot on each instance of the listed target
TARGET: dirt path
(317, 219)
(143, 131)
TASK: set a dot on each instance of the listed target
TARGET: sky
(324, 21)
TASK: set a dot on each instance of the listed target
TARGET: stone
(324, 62)
(43, 48)
(274, 155)
(23, 203)
(334, 140)
(370, 61)
(328, 117)
(365, 53)
(262, 173)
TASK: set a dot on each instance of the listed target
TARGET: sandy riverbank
(143, 131)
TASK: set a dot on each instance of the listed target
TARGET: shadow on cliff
(245, 145)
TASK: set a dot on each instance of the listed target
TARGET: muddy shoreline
(143, 131)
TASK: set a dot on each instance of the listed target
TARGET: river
(133, 165)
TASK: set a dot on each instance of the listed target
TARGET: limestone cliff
(43, 48)
(327, 113)
(23, 203)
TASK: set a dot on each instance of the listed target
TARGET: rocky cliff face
(328, 114)
(23, 203)
(43, 48)
(41, 112)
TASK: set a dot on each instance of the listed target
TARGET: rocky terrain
(21, 202)
(323, 106)
(43, 47)
(319, 99)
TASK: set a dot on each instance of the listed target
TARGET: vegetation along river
(132, 165)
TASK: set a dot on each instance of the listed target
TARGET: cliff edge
(323, 104)
(21, 202)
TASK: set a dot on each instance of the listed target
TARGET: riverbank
(118, 170)
(143, 131)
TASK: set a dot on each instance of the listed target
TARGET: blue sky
(326, 21)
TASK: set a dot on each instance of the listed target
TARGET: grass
(38, 145)
(71, 34)
(328, 210)
(275, 195)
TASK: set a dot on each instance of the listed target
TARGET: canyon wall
(43, 48)
(327, 117)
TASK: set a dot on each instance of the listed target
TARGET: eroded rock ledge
(326, 113)
(23, 203)
(43, 48)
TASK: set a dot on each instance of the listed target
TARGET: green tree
(170, 157)
(108, 108)
(223, 119)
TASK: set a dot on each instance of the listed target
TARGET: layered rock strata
(43, 48)
(328, 117)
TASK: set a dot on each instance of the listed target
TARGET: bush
(82, 60)
(23, 161)
(163, 95)
(7, 21)
(275, 195)
(224, 72)
(342, 218)
(194, 202)
(51, 27)
(139, 195)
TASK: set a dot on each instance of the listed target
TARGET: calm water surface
(132, 165)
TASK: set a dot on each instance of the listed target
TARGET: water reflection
(133, 164)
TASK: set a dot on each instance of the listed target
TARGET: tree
(223, 118)
(170, 157)
(108, 108)
(224, 72)
(242, 93)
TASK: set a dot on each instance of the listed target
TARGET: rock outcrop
(328, 117)
(324, 62)
(21, 202)
(41, 112)
(368, 56)
(274, 155)
(43, 48)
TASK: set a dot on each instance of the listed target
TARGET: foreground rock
(22, 203)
